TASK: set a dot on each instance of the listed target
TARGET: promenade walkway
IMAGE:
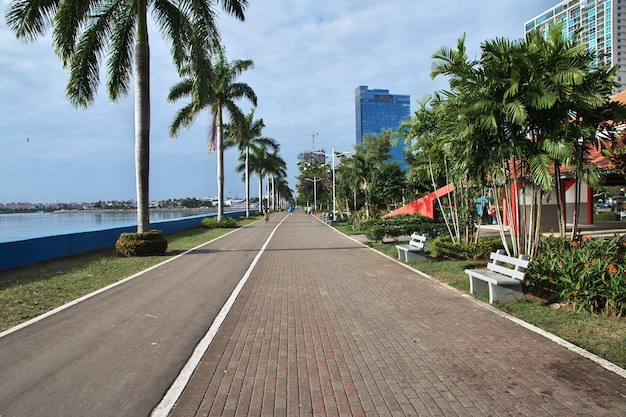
(327, 327)
(291, 318)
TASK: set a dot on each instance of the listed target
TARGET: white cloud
(309, 57)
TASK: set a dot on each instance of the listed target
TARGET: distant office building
(311, 157)
(600, 22)
(377, 111)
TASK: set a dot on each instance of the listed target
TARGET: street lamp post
(332, 156)
(314, 181)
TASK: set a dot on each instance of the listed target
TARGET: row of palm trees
(511, 120)
(85, 32)
(258, 154)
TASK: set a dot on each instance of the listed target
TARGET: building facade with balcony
(602, 25)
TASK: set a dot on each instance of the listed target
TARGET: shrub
(375, 233)
(400, 225)
(610, 216)
(588, 273)
(141, 244)
(212, 223)
(443, 247)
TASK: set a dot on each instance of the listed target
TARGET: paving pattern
(327, 327)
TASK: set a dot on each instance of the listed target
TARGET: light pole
(314, 181)
(332, 156)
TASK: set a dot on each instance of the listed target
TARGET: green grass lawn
(29, 291)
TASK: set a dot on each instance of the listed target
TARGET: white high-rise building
(601, 24)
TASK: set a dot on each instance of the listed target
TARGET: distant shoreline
(160, 210)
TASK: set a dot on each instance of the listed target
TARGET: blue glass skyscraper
(377, 111)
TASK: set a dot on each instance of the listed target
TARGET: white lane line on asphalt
(171, 397)
(101, 290)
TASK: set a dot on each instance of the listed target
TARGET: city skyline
(308, 57)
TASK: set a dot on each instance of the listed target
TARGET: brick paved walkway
(327, 327)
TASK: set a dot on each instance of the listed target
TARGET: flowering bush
(141, 244)
(588, 273)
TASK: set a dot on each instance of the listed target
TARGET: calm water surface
(17, 226)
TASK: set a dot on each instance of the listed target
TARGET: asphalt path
(116, 353)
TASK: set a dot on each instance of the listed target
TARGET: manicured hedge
(141, 244)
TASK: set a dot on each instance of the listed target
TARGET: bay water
(19, 226)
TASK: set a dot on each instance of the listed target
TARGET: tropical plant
(275, 167)
(84, 32)
(243, 132)
(586, 272)
(211, 84)
(512, 118)
(310, 175)
(264, 163)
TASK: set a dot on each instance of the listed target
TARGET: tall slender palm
(212, 85)
(263, 163)
(242, 133)
(275, 167)
(283, 191)
(84, 32)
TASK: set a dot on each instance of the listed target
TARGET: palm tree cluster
(258, 154)
(363, 179)
(510, 123)
(86, 31)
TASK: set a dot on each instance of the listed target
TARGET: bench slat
(409, 248)
(519, 275)
(519, 262)
(492, 277)
(417, 241)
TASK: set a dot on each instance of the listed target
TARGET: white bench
(503, 278)
(414, 250)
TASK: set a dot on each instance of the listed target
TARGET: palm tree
(283, 191)
(264, 163)
(211, 85)
(275, 167)
(242, 133)
(84, 32)
(518, 114)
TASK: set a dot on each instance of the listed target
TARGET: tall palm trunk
(142, 120)
(261, 191)
(247, 181)
(220, 164)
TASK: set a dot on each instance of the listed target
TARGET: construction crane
(312, 134)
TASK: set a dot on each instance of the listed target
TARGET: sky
(309, 57)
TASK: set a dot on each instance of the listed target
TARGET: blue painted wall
(31, 251)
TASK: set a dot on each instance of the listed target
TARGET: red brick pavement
(327, 327)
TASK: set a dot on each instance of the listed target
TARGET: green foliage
(400, 225)
(141, 244)
(375, 233)
(588, 273)
(606, 217)
(213, 223)
(443, 247)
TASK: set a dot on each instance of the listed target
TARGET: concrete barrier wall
(31, 251)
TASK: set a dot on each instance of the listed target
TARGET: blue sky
(309, 56)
